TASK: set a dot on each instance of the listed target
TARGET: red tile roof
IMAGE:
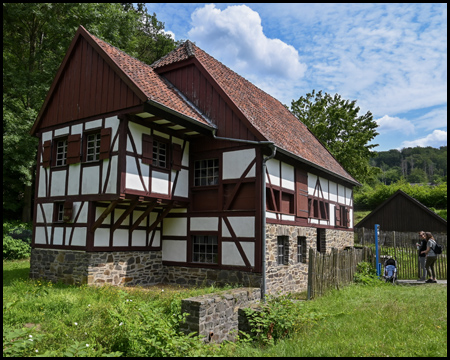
(269, 116)
(152, 86)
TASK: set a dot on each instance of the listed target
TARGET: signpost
(377, 263)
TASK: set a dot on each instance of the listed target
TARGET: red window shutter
(105, 143)
(301, 184)
(338, 215)
(47, 154)
(147, 149)
(177, 157)
(347, 217)
(73, 148)
(68, 209)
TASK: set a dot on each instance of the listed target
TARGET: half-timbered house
(181, 172)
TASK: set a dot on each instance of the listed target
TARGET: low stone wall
(216, 316)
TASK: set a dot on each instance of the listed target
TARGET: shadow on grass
(20, 271)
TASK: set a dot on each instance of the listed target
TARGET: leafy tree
(36, 37)
(336, 123)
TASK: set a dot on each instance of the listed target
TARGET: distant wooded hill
(416, 165)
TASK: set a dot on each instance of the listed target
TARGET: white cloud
(435, 139)
(235, 37)
(388, 123)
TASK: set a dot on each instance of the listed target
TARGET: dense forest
(416, 165)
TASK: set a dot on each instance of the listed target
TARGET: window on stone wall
(283, 250)
(321, 243)
(301, 249)
(204, 249)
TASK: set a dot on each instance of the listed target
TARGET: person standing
(430, 257)
(422, 246)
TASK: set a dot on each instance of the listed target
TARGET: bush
(366, 274)
(14, 249)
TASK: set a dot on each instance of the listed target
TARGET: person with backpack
(422, 246)
(430, 257)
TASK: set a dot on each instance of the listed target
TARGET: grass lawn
(382, 320)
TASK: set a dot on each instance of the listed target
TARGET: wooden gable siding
(196, 87)
(87, 87)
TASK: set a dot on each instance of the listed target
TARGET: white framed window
(93, 147)
(159, 154)
(204, 249)
(301, 249)
(61, 152)
(282, 250)
(206, 172)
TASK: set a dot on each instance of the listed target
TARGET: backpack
(437, 248)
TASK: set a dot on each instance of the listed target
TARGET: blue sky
(390, 58)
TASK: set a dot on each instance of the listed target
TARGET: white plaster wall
(132, 179)
(79, 236)
(74, 180)
(111, 188)
(174, 250)
(42, 183)
(58, 235)
(58, 183)
(101, 237)
(175, 227)
(113, 123)
(333, 191)
(231, 255)
(332, 215)
(120, 237)
(235, 163)
(90, 180)
(273, 167)
(157, 239)
(160, 182)
(40, 234)
(205, 224)
(118, 213)
(242, 226)
(312, 180)
(136, 131)
(62, 131)
(341, 195)
(77, 129)
(139, 238)
(287, 176)
(324, 185)
(98, 212)
(82, 218)
(48, 212)
(93, 124)
(182, 188)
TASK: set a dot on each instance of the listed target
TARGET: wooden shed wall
(191, 82)
(402, 214)
(88, 86)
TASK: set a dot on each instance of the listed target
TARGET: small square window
(204, 249)
(206, 172)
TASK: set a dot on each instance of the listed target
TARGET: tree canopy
(36, 37)
(336, 123)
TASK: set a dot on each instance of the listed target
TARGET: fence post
(310, 271)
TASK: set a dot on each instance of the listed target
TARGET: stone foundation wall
(97, 268)
(293, 277)
(182, 275)
(216, 316)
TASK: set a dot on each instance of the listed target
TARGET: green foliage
(276, 318)
(368, 198)
(14, 249)
(336, 123)
(366, 274)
